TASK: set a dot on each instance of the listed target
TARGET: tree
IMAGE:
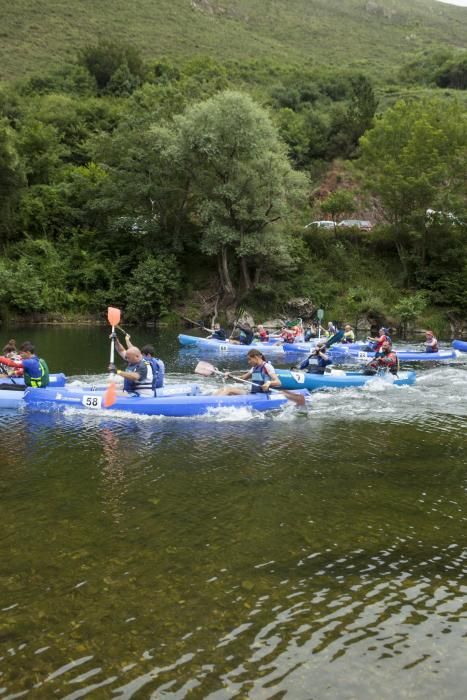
(415, 158)
(242, 183)
(338, 203)
(11, 178)
(409, 308)
(152, 287)
(103, 60)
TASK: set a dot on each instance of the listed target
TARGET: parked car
(320, 224)
(356, 223)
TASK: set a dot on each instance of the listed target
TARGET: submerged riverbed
(235, 555)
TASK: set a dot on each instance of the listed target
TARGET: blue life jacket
(158, 371)
(245, 337)
(322, 362)
(259, 376)
(219, 335)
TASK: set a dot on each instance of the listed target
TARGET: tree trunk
(401, 251)
(245, 275)
(224, 274)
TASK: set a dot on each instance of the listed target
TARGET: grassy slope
(34, 35)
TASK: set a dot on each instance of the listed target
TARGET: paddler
(261, 374)
(138, 378)
(431, 343)
(218, 333)
(34, 369)
(349, 335)
(156, 367)
(382, 338)
(242, 334)
(11, 352)
(262, 334)
(322, 357)
(384, 360)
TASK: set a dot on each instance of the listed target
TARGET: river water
(236, 555)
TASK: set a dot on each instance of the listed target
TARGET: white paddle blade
(205, 369)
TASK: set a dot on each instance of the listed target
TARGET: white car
(320, 224)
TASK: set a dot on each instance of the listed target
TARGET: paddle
(320, 316)
(206, 369)
(110, 395)
(336, 338)
(195, 323)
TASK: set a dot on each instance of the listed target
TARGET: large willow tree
(242, 185)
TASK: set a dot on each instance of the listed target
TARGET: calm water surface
(236, 555)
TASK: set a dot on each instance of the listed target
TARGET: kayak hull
(186, 405)
(225, 347)
(291, 379)
(343, 356)
(14, 398)
(309, 346)
(460, 345)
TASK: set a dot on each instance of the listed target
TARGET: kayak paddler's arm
(10, 363)
(120, 349)
(134, 376)
(273, 381)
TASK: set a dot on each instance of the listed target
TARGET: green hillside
(375, 34)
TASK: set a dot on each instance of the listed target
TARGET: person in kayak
(138, 378)
(311, 332)
(385, 360)
(218, 333)
(332, 330)
(243, 334)
(34, 369)
(156, 367)
(349, 335)
(322, 357)
(431, 343)
(261, 374)
(10, 350)
(377, 343)
(262, 334)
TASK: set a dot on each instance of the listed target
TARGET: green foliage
(116, 67)
(296, 32)
(410, 307)
(407, 159)
(243, 184)
(11, 178)
(185, 164)
(338, 203)
(21, 287)
(453, 74)
(152, 288)
(69, 79)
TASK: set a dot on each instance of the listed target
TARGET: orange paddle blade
(110, 395)
(113, 316)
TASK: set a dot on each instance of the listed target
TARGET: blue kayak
(337, 379)
(190, 404)
(13, 397)
(460, 345)
(347, 354)
(224, 346)
(310, 345)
